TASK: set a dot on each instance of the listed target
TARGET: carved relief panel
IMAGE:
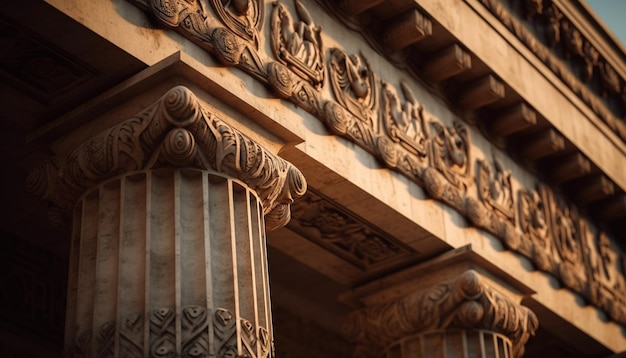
(495, 190)
(335, 229)
(354, 84)
(450, 152)
(534, 222)
(297, 44)
(404, 120)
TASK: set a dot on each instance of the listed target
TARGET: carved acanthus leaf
(463, 303)
(174, 132)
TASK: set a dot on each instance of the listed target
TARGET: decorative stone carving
(175, 131)
(404, 121)
(298, 44)
(606, 272)
(187, 13)
(465, 303)
(450, 153)
(534, 222)
(494, 189)
(243, 17)
(354, 84)
(339, 231)
(566, 233)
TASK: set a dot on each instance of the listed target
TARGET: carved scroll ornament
(173, 132)
(464, 303)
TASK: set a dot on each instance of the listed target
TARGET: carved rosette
(176, 132)
(466, 303)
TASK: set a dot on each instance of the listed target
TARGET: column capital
(176, 132)
(463, 303)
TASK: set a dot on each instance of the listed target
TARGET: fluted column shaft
(169, 262)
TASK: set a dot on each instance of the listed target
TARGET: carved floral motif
(298, 44)
(463, 303)
(175, 131)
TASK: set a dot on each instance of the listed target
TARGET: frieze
(175, 132)
(340, 232)
(369, 112)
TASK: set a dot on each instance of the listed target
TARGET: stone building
(311, 178)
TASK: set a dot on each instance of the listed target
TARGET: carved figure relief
(243, 17)
(450, 152)
(298, 44)
(494, 189)
(355, 86)
(404, 121)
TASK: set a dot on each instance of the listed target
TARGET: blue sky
(613, 12)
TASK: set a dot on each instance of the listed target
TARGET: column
(461, 317)
(169, 211)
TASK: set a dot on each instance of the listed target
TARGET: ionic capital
(465, 303)
(173, 132)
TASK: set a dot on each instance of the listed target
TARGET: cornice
(395, 128)
(575, 60)
(466, 302)
(174, 132)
